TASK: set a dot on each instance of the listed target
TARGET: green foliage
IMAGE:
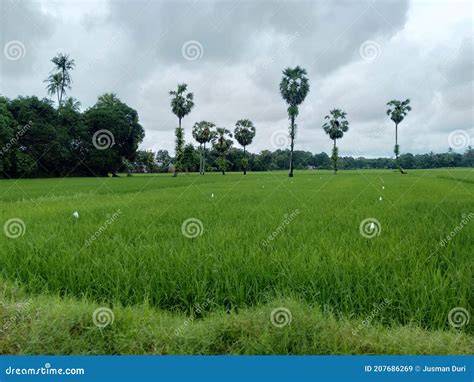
(181, 102)
(60, 79)
(398, 110)
(335, 126)
(294, 88)
(222, 144)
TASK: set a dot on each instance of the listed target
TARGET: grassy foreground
(261, 242)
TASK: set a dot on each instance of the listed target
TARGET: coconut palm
(72, 104)
(54, 83)
(397, 111)
(60, 78)
(244, 133)
(181, 105)
(203, 133)
(222, 144)
(294, 87)
(335, 126)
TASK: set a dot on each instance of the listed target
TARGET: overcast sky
(358, 55)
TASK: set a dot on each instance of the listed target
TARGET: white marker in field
(380, 198)
(75, 215)
(212, 195)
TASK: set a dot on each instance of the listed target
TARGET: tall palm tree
(335, 126)
(181, 105)
(54, 83)
(397, 111)
(222, 144)
(294, 87)
(60, 76)
(203, 133)
(244, 133)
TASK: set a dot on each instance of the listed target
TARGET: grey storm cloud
(358, 55)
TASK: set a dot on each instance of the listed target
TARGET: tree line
(38, 139)
(162, 162)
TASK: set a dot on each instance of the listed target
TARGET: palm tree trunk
(245, 164)
(204, 159)
(334, 157)
(223, 164)
(290, 172)
(177, 164)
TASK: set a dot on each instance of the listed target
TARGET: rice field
(269, 258)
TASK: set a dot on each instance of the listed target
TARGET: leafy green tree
(117, 125)
(60, 79)
(397, 111)
(244, 133)
(203, 132)
(190, 158)
(163, 160)
(294, 87)
(222, 144)
(181, 105)
(335, 126)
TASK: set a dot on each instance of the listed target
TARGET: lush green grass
(318, 256)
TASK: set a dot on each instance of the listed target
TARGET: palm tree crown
(294, 88)
(398, 110)
(181, 103)
(203, 131)
(244, 132)
(336, 124)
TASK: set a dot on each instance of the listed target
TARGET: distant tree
(397, 111)
(181, 105)
(190, 158)
(72, 104)
(163, 160)
(145, 161)
(294, 87)
(60, 78)
(335, 126)
(222, 144)
(203, 132)
(244, 133)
